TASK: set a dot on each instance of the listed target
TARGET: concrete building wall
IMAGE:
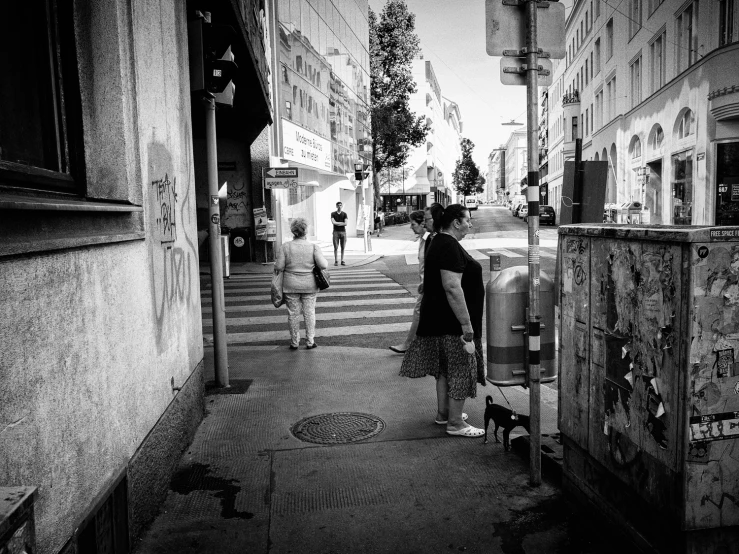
(94, 338)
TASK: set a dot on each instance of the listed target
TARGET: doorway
(653, 192)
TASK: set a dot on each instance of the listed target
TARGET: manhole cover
(338, 428)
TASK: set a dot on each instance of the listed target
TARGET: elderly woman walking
(448, 343)
(297, 258)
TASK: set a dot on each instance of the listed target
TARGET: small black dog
(503, 417)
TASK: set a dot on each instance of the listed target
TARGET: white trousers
(305, 303)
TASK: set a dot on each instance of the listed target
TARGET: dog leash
(514, 415)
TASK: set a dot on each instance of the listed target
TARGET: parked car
(547, 215)
(523, 211)
(514, 211)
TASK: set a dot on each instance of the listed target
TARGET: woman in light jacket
(297, 258)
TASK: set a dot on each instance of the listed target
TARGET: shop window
(727, 183)
(682, 188)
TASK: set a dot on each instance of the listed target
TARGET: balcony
(571, 98)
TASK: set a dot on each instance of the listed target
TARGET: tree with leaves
(395, 129)
(466, 177)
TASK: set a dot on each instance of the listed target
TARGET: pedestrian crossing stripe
(320, 316)
(283, 335)
(266, 297)
(333, 287)
(320, 304)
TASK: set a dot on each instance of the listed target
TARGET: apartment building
(650, 87)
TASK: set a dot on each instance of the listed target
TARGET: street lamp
(512, 123)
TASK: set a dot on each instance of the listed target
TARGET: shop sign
(305, 147)
(734, 192)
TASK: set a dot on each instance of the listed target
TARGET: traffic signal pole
(534, 323)
(214, 241)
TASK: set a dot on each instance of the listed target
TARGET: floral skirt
(445, 357)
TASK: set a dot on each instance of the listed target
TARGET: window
(596, 67)
(582, 30)
(592, 115)
(574, 128)
(609, 39)
(587, 22)
(657, 57)
(587, 78)
(657, 138)
(686, 127)
(599, 109)
(726, 15)
(611, 99)
(687, 37)
(41, 143)
(635, 72)
(597, 9)
(634, 17)
(587, 120)
(577, 36)
(636, 148)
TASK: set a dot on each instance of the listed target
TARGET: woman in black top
(448, 342)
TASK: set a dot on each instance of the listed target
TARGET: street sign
(513, 71)
(281, 178)
(505, 27)
(282, 172)
(260, 223)
(280, 183)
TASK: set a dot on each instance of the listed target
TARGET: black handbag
(323, 280)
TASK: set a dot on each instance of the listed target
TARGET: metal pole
(577, 187)
(532, 117)
(214, 240)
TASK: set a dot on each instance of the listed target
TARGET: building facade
(495, 177)
(651, 89)
(516, 166)
(427, 174)
(101, 357)
(321, 101)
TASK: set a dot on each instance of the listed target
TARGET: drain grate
(338, 428)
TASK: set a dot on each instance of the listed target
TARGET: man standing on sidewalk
(338, 218)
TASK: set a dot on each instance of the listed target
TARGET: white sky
(452, 34)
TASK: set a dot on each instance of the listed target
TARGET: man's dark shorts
(339, 239)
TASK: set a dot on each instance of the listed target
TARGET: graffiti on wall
(166, 200)
(174, 275)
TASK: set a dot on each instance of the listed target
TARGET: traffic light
(361, 171)
(212, 66)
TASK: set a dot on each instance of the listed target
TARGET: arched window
(656, 138)
(686, 124)
(635, 147)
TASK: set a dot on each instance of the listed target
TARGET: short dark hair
(339, 203)
(452, 213)
(418, 216)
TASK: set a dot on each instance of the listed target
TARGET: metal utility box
(506, 298)
(649, 383)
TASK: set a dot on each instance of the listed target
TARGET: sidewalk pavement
(247, 484)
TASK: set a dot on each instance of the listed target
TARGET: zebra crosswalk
(358, 302)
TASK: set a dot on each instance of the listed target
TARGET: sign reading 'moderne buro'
(305, 147)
